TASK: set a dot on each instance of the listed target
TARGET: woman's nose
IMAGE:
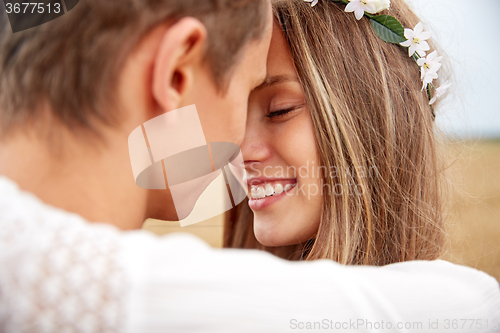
(255, 147)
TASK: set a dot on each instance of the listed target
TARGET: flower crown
(390, 30)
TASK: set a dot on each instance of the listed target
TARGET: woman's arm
(180, 284)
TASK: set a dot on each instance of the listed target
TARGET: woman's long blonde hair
(368, 110)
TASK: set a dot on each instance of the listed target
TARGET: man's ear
(180, 52)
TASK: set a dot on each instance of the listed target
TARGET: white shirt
(59, 273)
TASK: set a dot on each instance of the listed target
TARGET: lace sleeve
(58, 275)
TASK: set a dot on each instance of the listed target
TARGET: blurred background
(469, 117)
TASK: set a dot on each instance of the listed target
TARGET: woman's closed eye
(284, 113)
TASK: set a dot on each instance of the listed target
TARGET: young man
(71, 91)
(79, 88)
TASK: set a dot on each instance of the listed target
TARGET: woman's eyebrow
(276, 79)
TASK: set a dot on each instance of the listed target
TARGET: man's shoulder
(29, 223)
(55, 262)
(25, 219)
(32, 232)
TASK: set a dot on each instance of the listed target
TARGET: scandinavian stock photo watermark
(312, 179)
(449, 325)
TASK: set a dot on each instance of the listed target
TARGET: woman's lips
(265, 193)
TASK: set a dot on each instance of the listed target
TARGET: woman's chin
(272, 237)
(269, 242)
(271, 233)
(268, 236)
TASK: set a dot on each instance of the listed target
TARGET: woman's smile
(265, 192)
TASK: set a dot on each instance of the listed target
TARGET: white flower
(314, 2)
(359, 7)
(381, 5)
(429, 67)
(416, 40)
(440, 91)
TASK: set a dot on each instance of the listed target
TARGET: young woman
(341, 148)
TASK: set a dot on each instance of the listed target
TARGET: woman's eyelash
(281, 112)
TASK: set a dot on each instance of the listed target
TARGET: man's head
(74, 61)
(108, 66)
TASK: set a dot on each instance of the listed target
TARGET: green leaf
(388, 29)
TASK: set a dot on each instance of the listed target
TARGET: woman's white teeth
(258, 192)
(278, 188)
(268, 190)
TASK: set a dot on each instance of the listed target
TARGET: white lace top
(59, 273)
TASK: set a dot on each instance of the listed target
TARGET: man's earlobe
(179, 55)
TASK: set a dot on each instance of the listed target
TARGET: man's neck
(90, 181)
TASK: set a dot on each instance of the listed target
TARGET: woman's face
(280, 155)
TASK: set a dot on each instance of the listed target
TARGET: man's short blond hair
(72, 62)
